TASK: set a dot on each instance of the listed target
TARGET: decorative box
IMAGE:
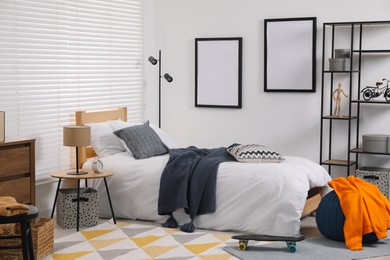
(376, 143)
(339, 64)
(42, 232)
(342, 53)
(377, 176)
(67, 208)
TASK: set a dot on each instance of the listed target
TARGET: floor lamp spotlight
(166, 76)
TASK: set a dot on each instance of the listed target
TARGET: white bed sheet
(257, 198)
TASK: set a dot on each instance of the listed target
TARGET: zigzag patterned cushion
(252, 153)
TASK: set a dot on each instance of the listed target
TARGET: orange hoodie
(365, 208)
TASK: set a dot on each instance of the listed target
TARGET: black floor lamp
(166, 76)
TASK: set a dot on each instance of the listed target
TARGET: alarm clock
(97, 165)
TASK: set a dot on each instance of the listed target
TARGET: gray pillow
(142, 141)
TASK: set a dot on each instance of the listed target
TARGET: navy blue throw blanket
(189, 181)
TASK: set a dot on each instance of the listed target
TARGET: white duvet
(257, 198)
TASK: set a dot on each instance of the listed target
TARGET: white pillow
(117, 125)
(103, 141)
(165, 138)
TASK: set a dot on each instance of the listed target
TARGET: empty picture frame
(218, 72)
(290, 54)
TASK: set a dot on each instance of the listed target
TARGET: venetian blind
(59, 56)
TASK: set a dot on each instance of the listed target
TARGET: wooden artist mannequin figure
(337, 96)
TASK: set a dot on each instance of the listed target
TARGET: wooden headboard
(83, 117)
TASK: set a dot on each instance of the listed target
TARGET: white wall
(287, 122)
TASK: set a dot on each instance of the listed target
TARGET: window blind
(59, 56)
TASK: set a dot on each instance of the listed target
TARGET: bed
(256, 198)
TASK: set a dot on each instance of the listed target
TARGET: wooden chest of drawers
(17, 170)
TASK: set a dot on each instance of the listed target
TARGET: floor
(308, 229)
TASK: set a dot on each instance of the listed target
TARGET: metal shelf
(344, 71)
(358, 23)
(372, 51)
(356, 43)
(371, 101)
(360, 150)
(340, 117)
(339, 162)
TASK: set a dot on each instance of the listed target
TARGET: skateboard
(291, 241)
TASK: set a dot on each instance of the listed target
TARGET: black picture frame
(290, 54)
(218, 72)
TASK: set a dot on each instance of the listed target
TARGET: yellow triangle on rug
(70, 256)
(143, 241)
(155, 251)
(200, 248)
(95, 233)
(99, 244)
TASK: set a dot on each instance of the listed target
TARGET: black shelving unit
(350, 159)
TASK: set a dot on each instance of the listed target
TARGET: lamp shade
(77, 135)
(152, 60)
(168, 77)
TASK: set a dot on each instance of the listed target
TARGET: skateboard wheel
(292, 248)
(242, 245)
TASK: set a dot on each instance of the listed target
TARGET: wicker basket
(377, 176)
(43, 239)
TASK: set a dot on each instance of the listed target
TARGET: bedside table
(91, 175)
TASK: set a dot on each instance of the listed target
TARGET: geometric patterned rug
(127, 240)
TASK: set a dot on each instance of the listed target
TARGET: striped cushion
(252, 153)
